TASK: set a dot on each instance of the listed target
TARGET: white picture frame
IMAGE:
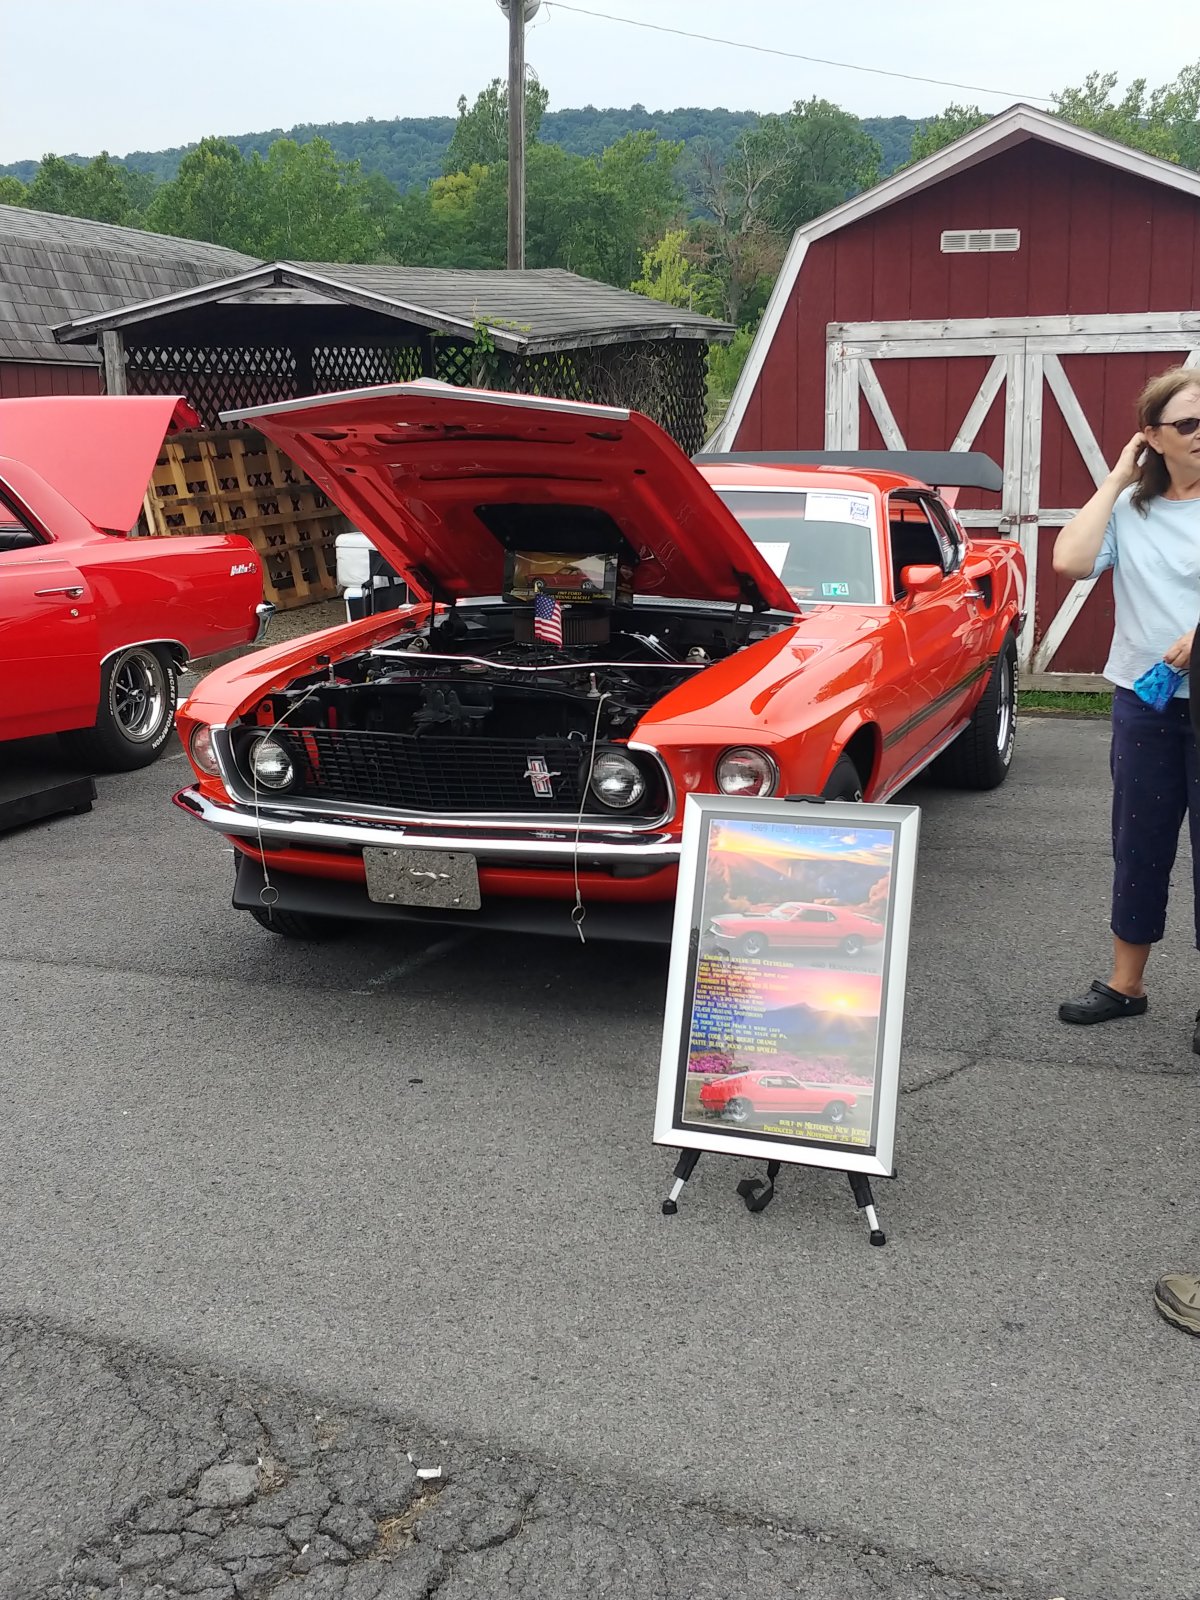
(794, 985)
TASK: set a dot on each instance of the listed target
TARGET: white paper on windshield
(854, 508)
(774, 555)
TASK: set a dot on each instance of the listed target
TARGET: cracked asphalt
(281, 1225)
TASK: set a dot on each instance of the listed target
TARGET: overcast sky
(121, 75)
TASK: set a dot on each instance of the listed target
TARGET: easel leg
(865, 1201)
(748, 1189)
(684, 1168)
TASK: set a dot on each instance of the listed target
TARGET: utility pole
(516, 134)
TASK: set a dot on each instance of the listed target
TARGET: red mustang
(95, 626)
(795, 925)
(778, 1094)
(491, 761)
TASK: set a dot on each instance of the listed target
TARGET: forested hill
(409, 150)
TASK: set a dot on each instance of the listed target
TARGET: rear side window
(15, 532)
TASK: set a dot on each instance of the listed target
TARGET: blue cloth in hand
(1157, 687)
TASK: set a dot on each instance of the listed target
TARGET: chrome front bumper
(557, 846)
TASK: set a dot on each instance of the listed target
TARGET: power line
(794, 55)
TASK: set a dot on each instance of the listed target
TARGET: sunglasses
(1185, 427)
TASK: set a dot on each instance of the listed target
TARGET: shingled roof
(535, 310)
(56, 269)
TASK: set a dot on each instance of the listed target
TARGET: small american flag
(547, 619)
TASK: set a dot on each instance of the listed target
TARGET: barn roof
(56, 268)
(529, 311)
(1012, 127)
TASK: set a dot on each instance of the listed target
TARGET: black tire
(845, 783)
(851, 944)
(835, 1112)
(982, 754)
(139, 689)
(753, 944)
(295, 924)
(738, 1109)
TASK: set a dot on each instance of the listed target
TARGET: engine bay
(476, 671)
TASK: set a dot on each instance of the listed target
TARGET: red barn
(1010, 293)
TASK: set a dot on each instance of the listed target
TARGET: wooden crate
(235, 481)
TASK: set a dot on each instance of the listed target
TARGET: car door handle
(73, 589)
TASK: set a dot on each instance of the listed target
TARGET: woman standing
(1144, 523)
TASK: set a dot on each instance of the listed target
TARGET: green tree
(1136, 119)
(99, 189)
(480, 137)
(944, 129)
(306, 205)
(820, 156)
(208, 198)
(672, 274)
(638, 200)
(13, 192)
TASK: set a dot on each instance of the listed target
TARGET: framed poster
(785, 997)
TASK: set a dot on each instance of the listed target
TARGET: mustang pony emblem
(540, 775)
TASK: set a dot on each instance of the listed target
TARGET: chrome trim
(429, 388)
(264, 611)
(176, 645)
(383, 653)
(241, 790)
(554, 846)
(907, 777)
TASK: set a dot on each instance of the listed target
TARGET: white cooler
(367, 583)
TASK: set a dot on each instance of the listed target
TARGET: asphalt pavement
(404, 1191)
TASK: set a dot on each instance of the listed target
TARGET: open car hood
(444, 480)
(95, 450)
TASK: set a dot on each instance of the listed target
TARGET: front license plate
(446, 879)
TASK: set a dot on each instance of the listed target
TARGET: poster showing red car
(785, 998)
(796, 925)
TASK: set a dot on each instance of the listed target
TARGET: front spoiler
(554, 846)
(348, 902)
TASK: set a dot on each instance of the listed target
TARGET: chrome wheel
(738, 1109)
(1006, 701)
(139, 694)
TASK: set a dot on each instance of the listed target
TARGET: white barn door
(1032, 370)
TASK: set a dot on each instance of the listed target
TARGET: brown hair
(1153, 477)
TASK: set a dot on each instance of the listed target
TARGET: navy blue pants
(1156, 783)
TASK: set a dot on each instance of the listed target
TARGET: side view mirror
(921, 580)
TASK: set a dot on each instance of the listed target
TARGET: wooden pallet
(235, 481)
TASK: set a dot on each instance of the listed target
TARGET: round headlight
(747, 772)
(616, 781)
(200, 747)
(270, 763)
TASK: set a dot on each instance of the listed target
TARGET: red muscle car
(780, 1094)
(795, 925)
(96, 626)
(784, 629)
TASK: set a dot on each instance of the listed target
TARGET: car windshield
(820, 543)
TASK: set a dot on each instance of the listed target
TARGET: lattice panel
(360, 366)
(214, 380)
(664, 378)
(456, 363)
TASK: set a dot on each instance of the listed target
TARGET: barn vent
(960, 241)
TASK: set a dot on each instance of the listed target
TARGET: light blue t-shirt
(1155, 561)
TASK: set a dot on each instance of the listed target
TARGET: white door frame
(1026, 363)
